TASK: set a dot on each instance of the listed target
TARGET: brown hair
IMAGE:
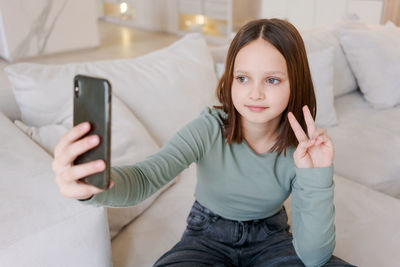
(284, 37)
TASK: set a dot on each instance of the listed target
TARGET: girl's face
(260, 88)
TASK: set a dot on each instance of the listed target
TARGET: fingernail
(85, 126)
(99, 164)
(93, 140)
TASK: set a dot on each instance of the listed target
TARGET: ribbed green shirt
(236, 183)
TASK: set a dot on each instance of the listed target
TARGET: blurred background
(40, 27)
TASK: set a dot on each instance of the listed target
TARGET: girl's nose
(257, 93)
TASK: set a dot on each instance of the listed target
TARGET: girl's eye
(273, 81)
(241, 79)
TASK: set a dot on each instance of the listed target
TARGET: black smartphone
(92, 103)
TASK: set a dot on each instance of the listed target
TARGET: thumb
(301, 157)
(303, 146)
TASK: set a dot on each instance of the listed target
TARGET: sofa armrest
(38, 226)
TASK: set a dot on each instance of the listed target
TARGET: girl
(238, 218)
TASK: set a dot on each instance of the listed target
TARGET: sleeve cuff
(90, 201)
(315, 177)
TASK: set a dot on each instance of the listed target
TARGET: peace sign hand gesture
(315, 152)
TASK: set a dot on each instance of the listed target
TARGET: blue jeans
(210, 240)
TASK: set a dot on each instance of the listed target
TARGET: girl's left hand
(316, 151)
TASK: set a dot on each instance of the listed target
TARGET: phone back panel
(92, 103)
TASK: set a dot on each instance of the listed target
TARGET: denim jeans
(210, 240)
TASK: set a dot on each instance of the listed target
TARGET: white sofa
(163, 91)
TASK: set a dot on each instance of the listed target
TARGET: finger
(296, 127)
(319, 141)
(72, 151)
(302, 148)
(71, 136)
(111, 184)
(319, 132)
(311, 127)
(323, 139)
(83, 170)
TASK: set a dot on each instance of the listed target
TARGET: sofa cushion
(38, 226)
(320, 39)
(8, 105)
(367, 143)
(321, 67)
(374, 57)
(130, 143)
(159, 227)
(165, 89)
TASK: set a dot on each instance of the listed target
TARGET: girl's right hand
(67, 174)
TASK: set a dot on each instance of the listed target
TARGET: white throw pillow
(220, 69)
(374, 57)
(130, 143)
(165, 89)
(316, 40)
(219, 53)
(321, 67)
(46, 136)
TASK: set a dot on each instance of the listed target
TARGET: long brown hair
(284, 37)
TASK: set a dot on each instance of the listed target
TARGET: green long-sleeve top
(236, 183)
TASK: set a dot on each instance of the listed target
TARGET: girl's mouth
(256, 108)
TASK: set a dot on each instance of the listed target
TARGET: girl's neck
(261, 137)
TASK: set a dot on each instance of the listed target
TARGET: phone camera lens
(76, 91)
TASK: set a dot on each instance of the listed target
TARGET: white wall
(306, 14)
(31, 28)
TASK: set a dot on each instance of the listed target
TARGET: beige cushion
(159, 228)
(321, 67)
(165, 89)
(358, 154)
(374, 57)
(320, 39)
(8, 105)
